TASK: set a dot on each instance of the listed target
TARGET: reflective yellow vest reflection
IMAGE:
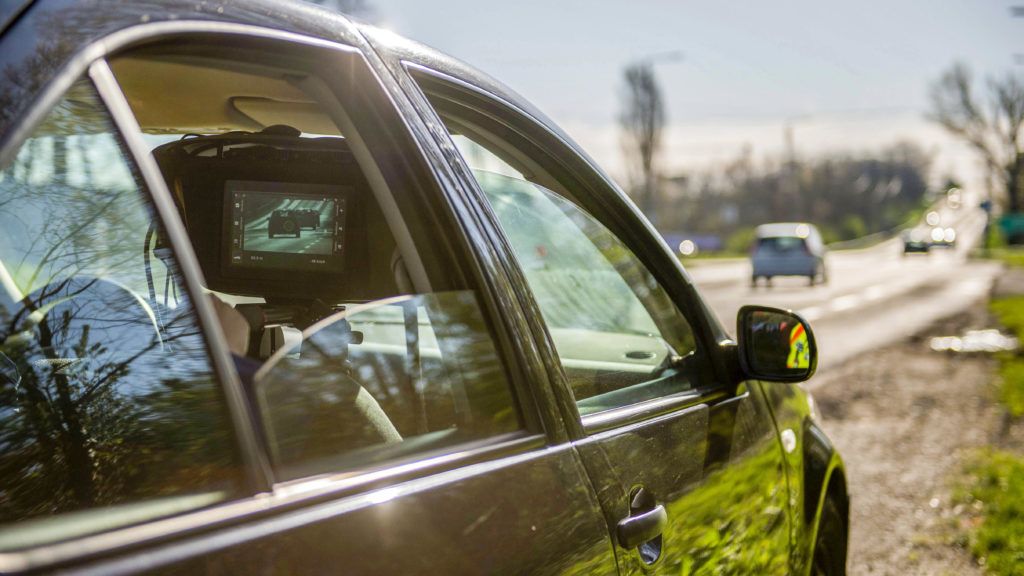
(799, 350)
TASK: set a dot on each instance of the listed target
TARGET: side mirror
(775, 345)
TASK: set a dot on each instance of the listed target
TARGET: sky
(846, 76)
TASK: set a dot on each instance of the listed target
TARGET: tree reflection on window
(107, 397)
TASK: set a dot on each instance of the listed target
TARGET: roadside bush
(740, 241)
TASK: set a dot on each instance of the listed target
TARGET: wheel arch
(824, 479)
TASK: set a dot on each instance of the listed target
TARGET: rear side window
(782, 245)
(354, 359)
(110, 413)
(384, 380)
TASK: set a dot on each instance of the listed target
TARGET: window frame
(264, 498)
(596, 194)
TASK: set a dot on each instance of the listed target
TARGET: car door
(685, 462)
(496, 490)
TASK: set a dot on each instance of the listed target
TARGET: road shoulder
(904, 418)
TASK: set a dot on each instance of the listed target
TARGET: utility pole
(790, 186)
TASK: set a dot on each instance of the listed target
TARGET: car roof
(778, 229)
(88, 21)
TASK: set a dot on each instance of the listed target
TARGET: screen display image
(286, 226)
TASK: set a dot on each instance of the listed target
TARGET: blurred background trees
(847, 196)
(642, 120)
(990, 124)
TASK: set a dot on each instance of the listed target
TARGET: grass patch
(1009, 311)
(996, 481)
(1011, 386)
(994, 485)
(1010, 256)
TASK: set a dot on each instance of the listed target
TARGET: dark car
(916, 240)
(494, 366)
(285, 222)
(308, 218)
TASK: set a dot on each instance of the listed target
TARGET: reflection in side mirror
(776, 345)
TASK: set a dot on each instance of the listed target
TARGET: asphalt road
(317, 241)
(310, 241)
(874, 297)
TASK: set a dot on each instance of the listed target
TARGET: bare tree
(642, 121)
(992, 126)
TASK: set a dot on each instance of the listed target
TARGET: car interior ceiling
(253, 127)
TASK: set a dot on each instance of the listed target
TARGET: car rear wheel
(830, 545)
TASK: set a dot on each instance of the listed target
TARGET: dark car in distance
(284, 222)
(495, 366)
(308, 219)
(916, 241)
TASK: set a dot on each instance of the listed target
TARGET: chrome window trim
(90, 61)
(290, 505)
(649, 410)
(257, 468)
(413, 68)
(78, 64)
(629, 414)
(356, 489)
(647, 420)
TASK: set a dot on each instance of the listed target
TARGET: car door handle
(643, 527)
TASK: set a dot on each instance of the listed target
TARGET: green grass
(1010, 255)
(1009, 311)
(996, 480)
(1011, 386)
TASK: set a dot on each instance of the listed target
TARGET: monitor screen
(285, 226)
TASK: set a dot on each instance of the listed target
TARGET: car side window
(618, 335)
(384, 380)
(356, 362)
(110, 412)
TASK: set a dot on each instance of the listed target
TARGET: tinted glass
(618, 335)
(782, 245)
(350, 365)
(384, 380)
(109, 411)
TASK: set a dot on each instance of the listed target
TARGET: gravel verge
(904, 417)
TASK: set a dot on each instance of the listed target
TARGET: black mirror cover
(776, 345)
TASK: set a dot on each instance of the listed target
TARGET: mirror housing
(775, 345)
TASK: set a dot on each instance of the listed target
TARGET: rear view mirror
(775, 345)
